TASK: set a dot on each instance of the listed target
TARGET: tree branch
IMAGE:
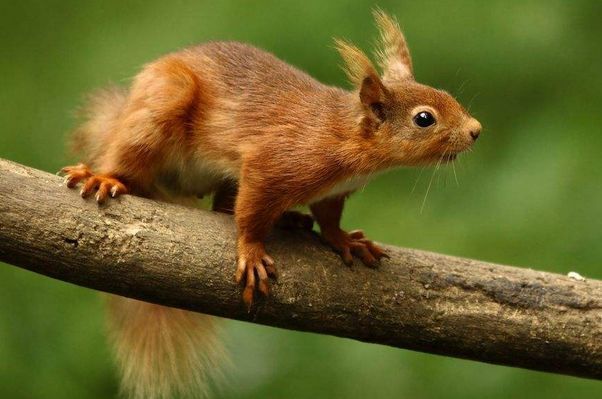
(185, 258)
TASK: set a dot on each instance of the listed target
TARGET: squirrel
(263, 137)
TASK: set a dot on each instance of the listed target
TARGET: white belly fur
(198, 176)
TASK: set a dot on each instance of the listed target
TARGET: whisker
(471, 101)
(455, 175)
(459, 91)
(458, 72)
(418, 179)
(428, 189)
(446, 174)
(437, 181)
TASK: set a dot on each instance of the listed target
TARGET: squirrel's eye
(424, 119)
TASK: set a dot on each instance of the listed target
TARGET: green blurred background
(529, 194)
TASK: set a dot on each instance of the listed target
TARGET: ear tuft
(363, 75)
(357, 65)
(393, 53)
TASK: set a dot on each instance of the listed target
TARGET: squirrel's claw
(101, 184)
(255, 267)
(355, 244)
(75, 174)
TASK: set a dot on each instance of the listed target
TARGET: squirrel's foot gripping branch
(254, 261)
(102, 186)
(354, 243)
(184, 257)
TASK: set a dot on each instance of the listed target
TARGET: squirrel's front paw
(254, 264)
(353, 244)
(103, 185)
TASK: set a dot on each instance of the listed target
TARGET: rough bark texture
(185, 258)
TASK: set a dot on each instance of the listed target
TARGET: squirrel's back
(201, 110)
(252, 92)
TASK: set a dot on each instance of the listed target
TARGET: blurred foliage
(529, 194)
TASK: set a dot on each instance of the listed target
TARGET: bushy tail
(163, 352)
(99, 115)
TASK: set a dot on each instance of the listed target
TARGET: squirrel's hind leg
(348, 244)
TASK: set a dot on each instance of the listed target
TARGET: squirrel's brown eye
(424, 119)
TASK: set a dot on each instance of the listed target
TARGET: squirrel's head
(417, 123)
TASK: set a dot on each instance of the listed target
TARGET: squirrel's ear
(357, 64)
(393, 53)
(363, 75)
(373, 96)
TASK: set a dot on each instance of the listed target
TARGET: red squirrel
(262, 136)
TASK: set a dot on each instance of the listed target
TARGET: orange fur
(230, 119)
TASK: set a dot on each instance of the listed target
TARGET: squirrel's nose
(474, 129)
